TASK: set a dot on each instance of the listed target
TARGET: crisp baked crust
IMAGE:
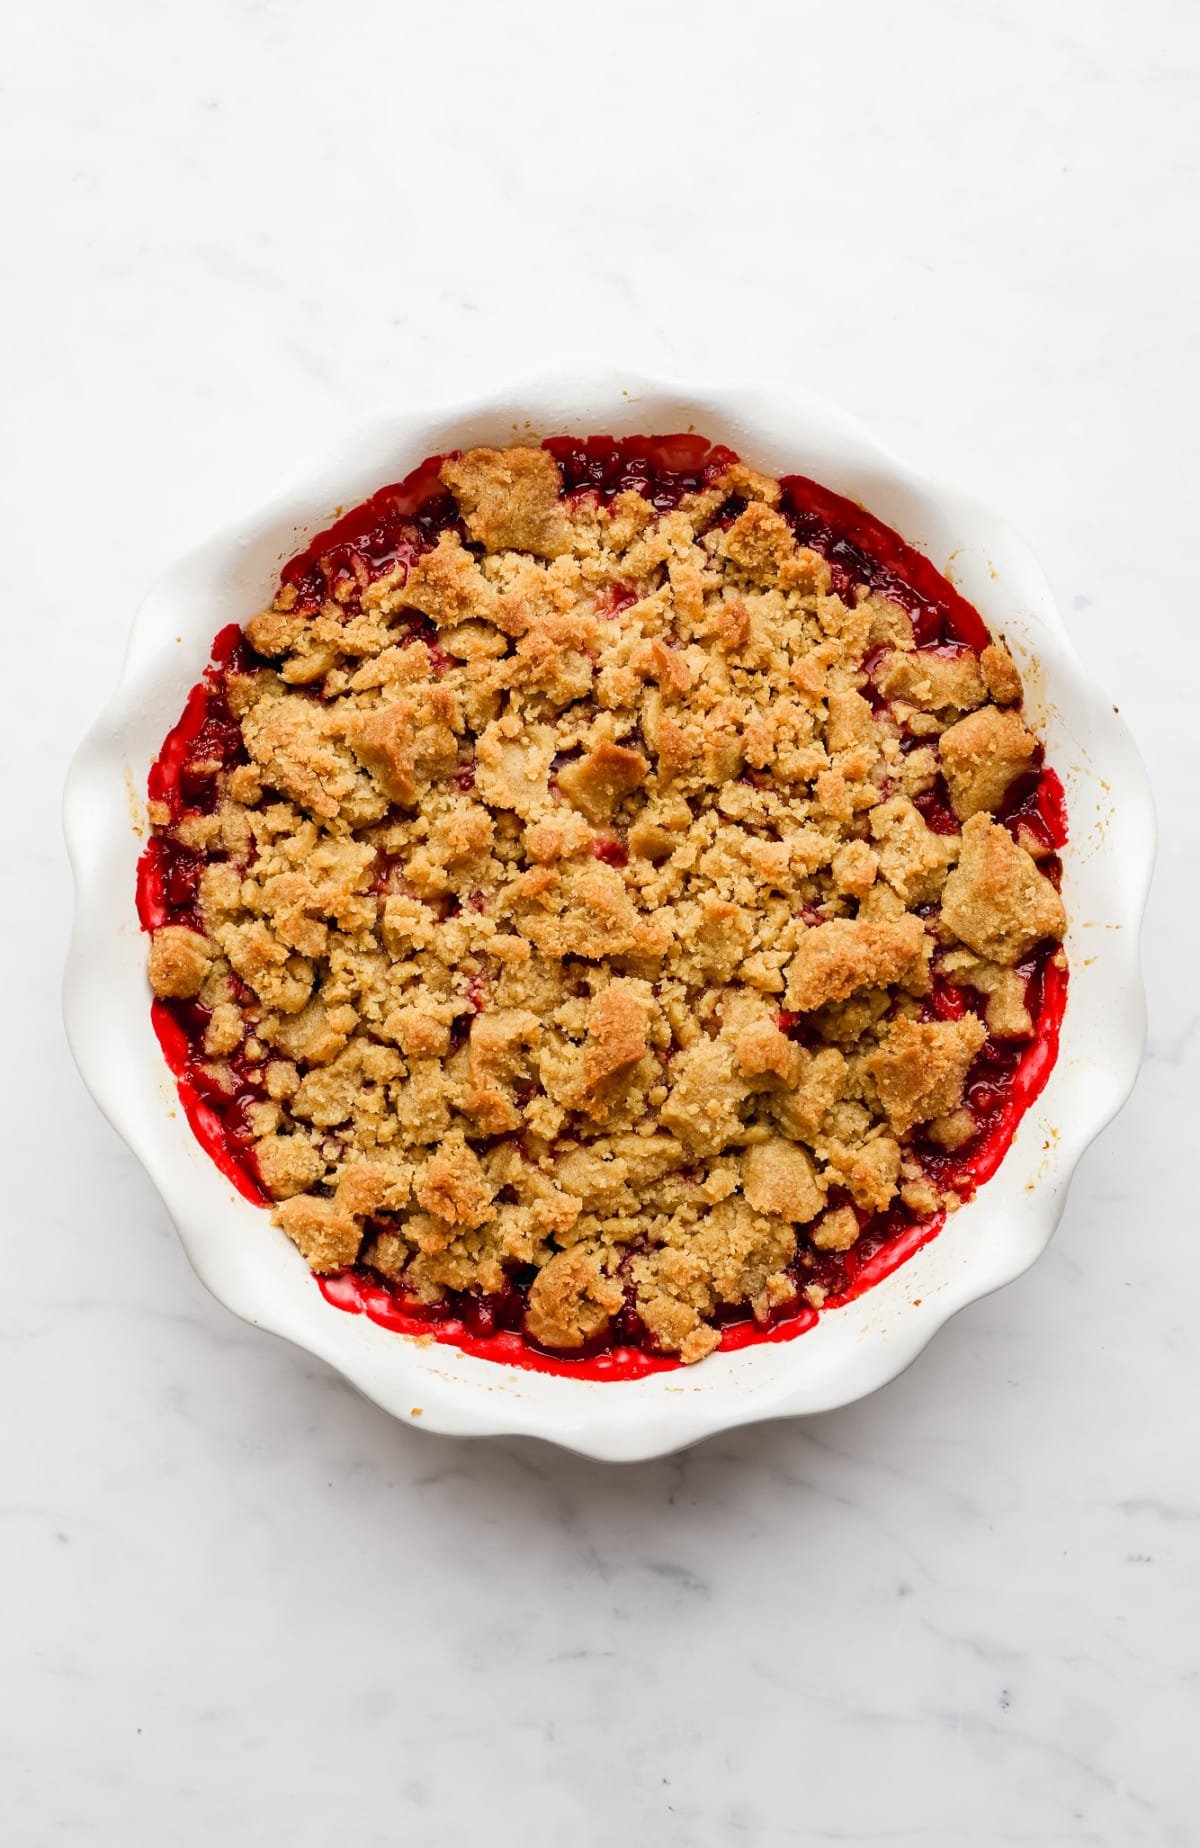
(574, 903)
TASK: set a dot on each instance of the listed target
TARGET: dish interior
(389, 533)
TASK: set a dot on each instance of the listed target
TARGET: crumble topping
(580, 897)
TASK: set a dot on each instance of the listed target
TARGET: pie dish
(607, 897)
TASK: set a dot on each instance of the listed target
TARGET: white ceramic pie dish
(252, 1267)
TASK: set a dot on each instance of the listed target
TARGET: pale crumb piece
(995, 900)
(889, 622)
(982, 756)
(617, 1023)
(1007, 1011)
(738, 479)
(448, 585)
(454, 1186)
(1001, 675)
(760, 540)
(778, 1176)
(387, 1253)
(316, 1034)
(703, 1107)
(282, 1080)
(836, 958)
(935, 683)
(599, 780)
(573, 920)
(762, 1051)
(649, 840)
(854, 867)
(920, 1067)
(731, 1255)
(178, 963)
(223, 1034)
(801, 1110)
(245, 784)
(836, 1231)
(274, 632)
(954, 1130)
(910, 856)
(572, 1300)
(509, 500)
(289, 739)
(697, 1344)
(327, 1236)
(404, 745)
(920, 1196)
(867, 1169)
(416, 1031)
(261, 1117)
(287, 1165)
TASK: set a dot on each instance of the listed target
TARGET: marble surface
(240, 1605)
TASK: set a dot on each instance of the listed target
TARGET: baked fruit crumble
(607, 904)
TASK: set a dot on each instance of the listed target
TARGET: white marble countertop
(239, 1605)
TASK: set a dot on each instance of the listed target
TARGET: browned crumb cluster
(518, 920)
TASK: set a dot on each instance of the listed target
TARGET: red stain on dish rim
(387, 532)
